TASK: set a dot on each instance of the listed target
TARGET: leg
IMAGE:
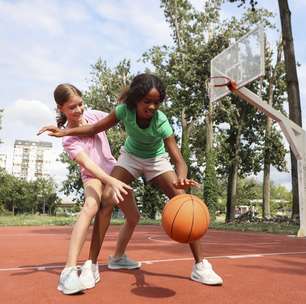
(130, 210)
(69, 282)
(93, 193)
(101, 224)
(90, 274)
(165, 183)
(202, 270)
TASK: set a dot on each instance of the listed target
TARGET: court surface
(256, 267)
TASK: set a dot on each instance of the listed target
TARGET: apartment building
(3, 161)
(31, 159)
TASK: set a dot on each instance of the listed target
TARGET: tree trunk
(209, 129)
(293, 92)
(232, 191)
(185, 149)
(233, 175)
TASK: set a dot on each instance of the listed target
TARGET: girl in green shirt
(150, 140)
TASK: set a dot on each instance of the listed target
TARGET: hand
(53, 131)
(119, 188)
(185, 183)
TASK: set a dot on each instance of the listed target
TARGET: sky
(44, 43)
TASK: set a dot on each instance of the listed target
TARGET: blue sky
(44, 43)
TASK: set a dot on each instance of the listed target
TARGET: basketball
(185, 218)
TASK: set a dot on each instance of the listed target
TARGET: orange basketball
(185, 218)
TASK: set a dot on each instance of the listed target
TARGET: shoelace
(206, 265)
(67, 273)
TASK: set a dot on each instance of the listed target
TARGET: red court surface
(256, 268)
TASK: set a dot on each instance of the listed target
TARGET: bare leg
(130, 210)
(93, 192)
(102, 221)
(165, 183)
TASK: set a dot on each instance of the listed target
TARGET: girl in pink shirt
(94, 156)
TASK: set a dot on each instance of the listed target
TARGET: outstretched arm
(88, 130)
(180, 166)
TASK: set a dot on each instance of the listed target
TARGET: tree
(46, 196)
(151, 199)
(295, 113)
(20, 196)
(198, 38)
(184, 67)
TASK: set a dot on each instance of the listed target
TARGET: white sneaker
(69, 282)
(90, 274)
(122, 262)
(203, 272)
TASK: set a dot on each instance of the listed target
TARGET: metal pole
(296, 137)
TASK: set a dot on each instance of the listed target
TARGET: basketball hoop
(220, 81)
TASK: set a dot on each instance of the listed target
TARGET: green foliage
(249, 193)
(106, 84)
(252, 3)
(277, 228)
(150, 199)
(184, 67)
(20, 196)
(211, 187)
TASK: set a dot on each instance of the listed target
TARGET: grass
(45, 220)
(277, 228)
(35, 220)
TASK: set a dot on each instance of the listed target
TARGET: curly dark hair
(140, 87)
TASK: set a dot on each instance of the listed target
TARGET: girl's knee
(106, 208)
(90, 209)
(133, 218)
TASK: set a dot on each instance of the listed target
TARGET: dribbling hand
(185, 183)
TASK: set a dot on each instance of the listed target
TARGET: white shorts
(147, 167)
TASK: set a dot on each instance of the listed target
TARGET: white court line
(214, 243)
(149, 262)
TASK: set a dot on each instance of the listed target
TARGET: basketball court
(256, 268)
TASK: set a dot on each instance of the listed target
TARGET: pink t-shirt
(96, 147)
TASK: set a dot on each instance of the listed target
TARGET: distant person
(144, 154)
(96, 161)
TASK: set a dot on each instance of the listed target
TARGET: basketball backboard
(241, 62)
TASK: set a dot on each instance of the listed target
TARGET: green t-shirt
(148, 142)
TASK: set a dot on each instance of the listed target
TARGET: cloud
(48, 16)
(29, 113)
(146, 24)
(32, 15)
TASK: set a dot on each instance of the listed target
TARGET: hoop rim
(231, 84)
